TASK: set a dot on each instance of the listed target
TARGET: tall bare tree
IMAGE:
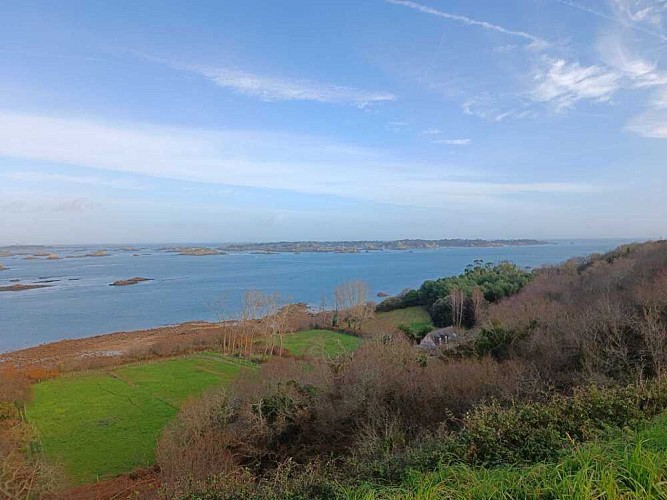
(351, 304)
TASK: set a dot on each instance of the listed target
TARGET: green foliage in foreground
(320, 343)
(632, 465)
(618, 465)
(105, 423)
(578, 446)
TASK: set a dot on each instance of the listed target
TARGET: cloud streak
(619, 21)
(296, 163)
(269, 88)
(468, 21)
(453, 142)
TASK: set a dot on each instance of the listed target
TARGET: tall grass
(624, 467)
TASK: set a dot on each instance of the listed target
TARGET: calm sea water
(81, 303)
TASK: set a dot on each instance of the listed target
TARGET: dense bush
(385, 393)
(493, 282)
(415, 331)
(603, 319)
(493, 435)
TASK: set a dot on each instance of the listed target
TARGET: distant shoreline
(334, 246)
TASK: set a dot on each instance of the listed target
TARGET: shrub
(415, 331)
(496, 340)
(383, 396)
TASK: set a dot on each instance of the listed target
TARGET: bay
(185, 288)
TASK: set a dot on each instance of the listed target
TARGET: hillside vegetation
(539, 402)
(460, 300)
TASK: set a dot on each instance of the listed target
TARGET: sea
(79, 301)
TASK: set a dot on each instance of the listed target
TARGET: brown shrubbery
(601, 319)
(21, 476)
(547, 368)
(293, 411)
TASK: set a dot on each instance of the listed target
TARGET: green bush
(495, 281)
(415, 331)
(496, 340)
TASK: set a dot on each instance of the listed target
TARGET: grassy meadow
(107, 422)
(320, 343)
(385, 322)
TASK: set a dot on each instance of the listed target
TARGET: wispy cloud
(271, 88)
(563, 83)
(291, 162)
(453, 142)
(469, 21)
(34, 176)
(28, 206)
(629, 47)
(498, 109)
(431, 131)
(398, 126)
(626, 16)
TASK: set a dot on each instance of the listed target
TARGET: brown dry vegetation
(22, 474)
(600, 321)
(291, 411)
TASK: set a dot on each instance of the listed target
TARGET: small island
(19, 287)
(98, 253)
(196, 251)
(2, 268)
(131, 281)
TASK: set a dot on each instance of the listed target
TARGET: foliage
(633, 465)
(602, 319)
(23, 474)
(385, 394)
(441, 312)
(574, 447)
(495, 281)
(416, 331)
(495, 339)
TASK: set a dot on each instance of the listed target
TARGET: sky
(248, 120)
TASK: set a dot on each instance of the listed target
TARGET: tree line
(459, 300)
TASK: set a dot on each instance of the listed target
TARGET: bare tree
(654, 335)
(477, 297)
(351, 304)
(457, 298)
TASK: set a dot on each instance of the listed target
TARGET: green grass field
(387, 322)
(105, 423)
(320, 343)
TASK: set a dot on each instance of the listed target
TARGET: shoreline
(106, 345)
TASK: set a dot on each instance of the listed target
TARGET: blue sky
(246, 120)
